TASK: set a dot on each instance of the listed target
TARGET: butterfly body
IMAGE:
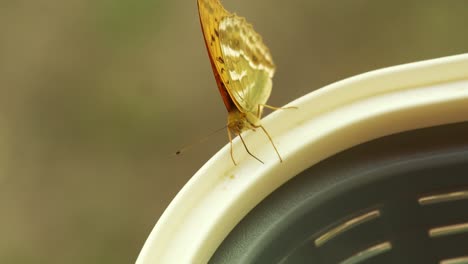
(242, 66)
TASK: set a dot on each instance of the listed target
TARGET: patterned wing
(248, 64)
(211, 12)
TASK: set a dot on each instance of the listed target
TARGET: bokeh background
(96, 96)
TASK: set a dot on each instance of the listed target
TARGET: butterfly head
(239, 121)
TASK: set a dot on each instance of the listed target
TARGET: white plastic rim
(327, 121)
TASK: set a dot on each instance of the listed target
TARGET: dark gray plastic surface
(387, 175)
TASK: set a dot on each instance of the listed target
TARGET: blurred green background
(96, 96)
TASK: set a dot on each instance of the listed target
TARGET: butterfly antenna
(182, 150)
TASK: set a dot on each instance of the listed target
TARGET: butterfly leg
(247, 149)
(230, 142)
(271, 140)
(272, 107)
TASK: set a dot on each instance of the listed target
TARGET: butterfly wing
(248, 64)
(211, 12)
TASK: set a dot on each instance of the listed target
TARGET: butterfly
(242, 66)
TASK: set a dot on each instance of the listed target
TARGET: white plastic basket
(327, 121)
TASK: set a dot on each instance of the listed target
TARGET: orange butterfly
(242, 66)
